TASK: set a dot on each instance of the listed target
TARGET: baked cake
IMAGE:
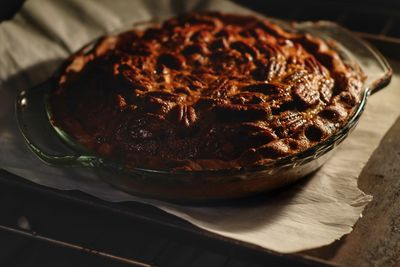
(205, 91)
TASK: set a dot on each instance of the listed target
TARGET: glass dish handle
(35, 129)
(354, 49)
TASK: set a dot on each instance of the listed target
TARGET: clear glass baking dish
(53, 146)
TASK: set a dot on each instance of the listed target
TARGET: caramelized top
(205, 91)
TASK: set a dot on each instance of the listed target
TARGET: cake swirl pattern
(205, 91)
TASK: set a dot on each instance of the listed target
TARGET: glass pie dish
(54, 146)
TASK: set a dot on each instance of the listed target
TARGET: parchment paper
(309, 214)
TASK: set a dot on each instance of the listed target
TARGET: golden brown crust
(205, 91)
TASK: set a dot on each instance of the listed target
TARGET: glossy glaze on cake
(205, 91)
